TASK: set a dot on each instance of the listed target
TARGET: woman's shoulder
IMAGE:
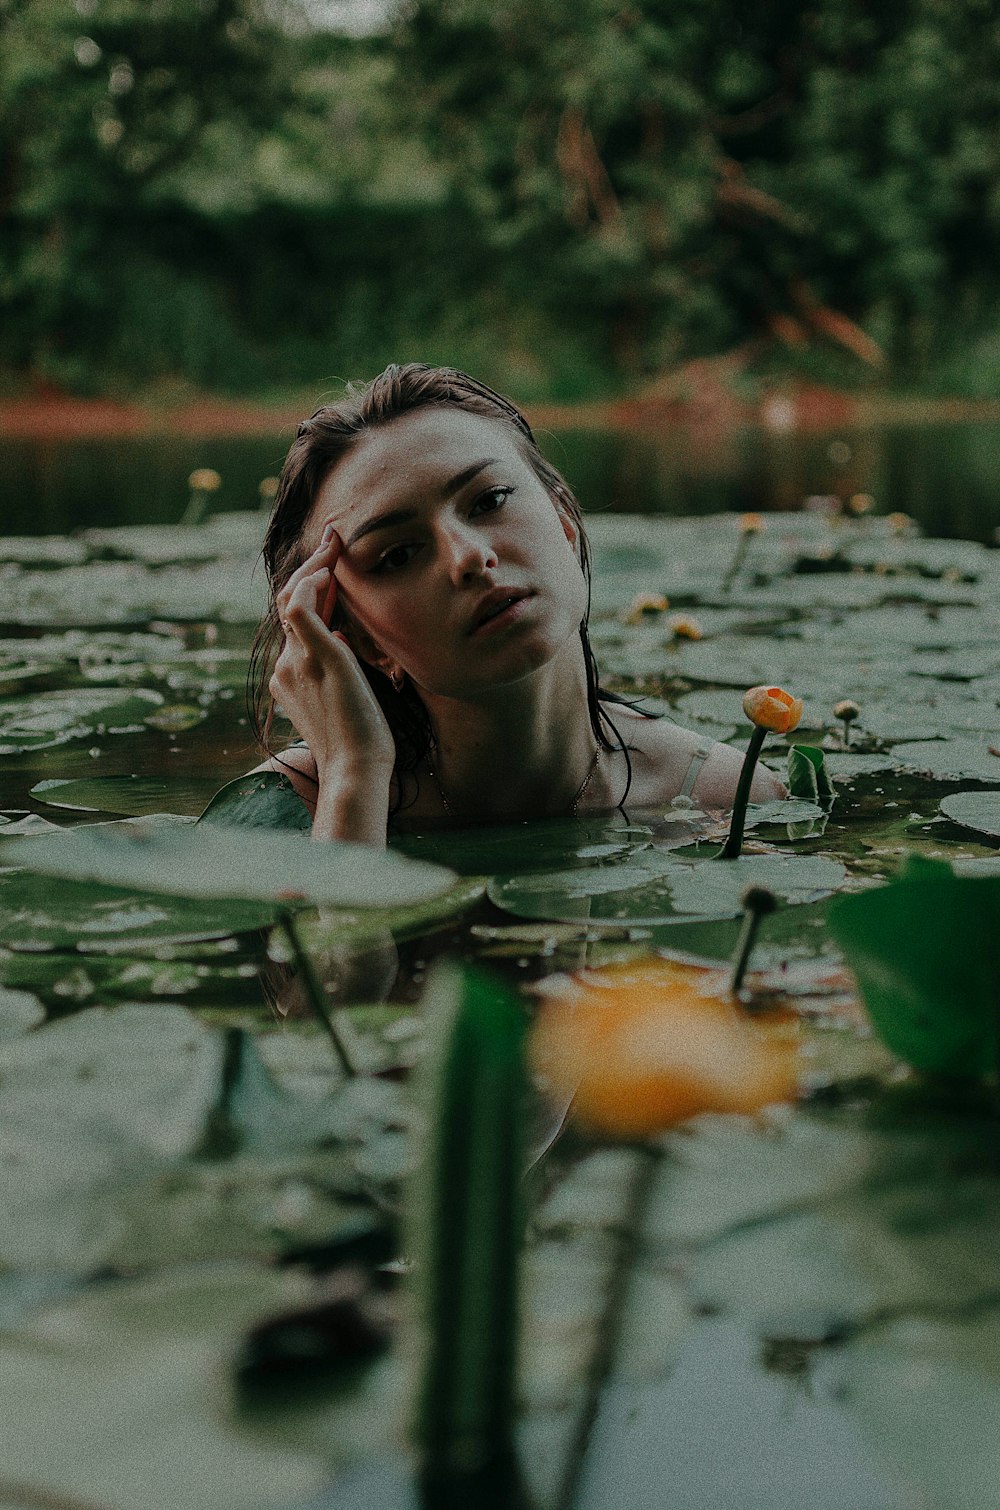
(669, 760)
(298, 765)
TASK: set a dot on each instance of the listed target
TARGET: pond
(203, 1247)
(946, 476)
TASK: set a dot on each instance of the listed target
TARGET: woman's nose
(468, 552)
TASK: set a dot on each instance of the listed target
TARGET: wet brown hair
(320, 443)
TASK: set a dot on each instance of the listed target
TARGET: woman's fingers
(325, 555)
(307, 595)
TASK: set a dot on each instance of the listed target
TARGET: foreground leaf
(208, 861)
(926, 952)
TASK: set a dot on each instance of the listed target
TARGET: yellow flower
(267, 488)
(900, 523)
(643, 1045)
(751, 524)
(646, 605)
(204, 480)
(773, 708)
(685, 628)
(860, 503)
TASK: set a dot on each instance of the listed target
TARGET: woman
(429, 577)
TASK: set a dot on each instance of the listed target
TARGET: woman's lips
(505, 617)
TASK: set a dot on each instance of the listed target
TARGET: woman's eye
(490, 501)
(395, 558)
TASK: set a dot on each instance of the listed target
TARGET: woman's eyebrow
(404, 516)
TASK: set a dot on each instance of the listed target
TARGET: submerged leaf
(659, 888)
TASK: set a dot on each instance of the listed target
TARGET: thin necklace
(571, 810)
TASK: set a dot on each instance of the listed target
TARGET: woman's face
(442, 520)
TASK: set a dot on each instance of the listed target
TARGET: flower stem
(757, 903)
(739, 555)
(733, 846)
(315, 991)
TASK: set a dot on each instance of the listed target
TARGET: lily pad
(42, 912)
(979, 811)
(655, 888)
(262, 799)
(138, 1136)
(146, 1356)
(52, 718)
(203, 860)
(951, 759)
(130, 796)
(544, 845)
(926, 952)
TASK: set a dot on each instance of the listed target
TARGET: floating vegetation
(209, 1152)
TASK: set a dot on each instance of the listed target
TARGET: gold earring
(397, 677)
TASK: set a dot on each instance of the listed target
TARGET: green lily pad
(52, 718)
(950, 759)
(20, 1011)
(130, 796)
(349, 927)
(543, 845)
(148, 1355)
(655, 888)
(139, 1136)
(901, 1375)
(211, 862)
(926, 952)
(262, 799)
(979, 811)
(125, 592)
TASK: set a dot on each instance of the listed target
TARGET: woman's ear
(367, 650)
(568, 527)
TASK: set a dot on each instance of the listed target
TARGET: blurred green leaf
(926, 953)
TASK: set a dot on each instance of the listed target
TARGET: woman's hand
(320, 686)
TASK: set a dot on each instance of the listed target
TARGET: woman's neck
(521, 751)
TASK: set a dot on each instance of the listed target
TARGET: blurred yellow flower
(751, 524)
(646, 605)
(772, 708)
(204, 480)
(644, 1045)
(267, 488)
(686, 628)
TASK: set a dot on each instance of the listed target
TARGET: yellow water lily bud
(685, 628)
(860, 503)
(900, 523)
(751, 524)
(646, 605)
(773, 708)
(847, 710)
(204, 480)
(267, 488)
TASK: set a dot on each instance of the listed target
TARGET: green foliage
(926, 952)
(807, 774)
(559, 196)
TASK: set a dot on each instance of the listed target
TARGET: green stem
(197, 508)
(733, 846)
(739, 555)
(745, 943)
(315, 991)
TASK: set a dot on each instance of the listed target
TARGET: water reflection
(947, 476)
